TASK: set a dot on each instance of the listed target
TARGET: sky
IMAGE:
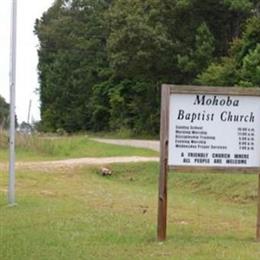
(27, 59)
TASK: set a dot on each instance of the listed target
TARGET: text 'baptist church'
(224, 116)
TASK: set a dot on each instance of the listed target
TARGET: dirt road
(78, 162)
(71, 163)
(153, 145)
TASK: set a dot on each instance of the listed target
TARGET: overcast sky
(27, 79)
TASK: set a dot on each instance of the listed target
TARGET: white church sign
(214, 130)
(205, 128)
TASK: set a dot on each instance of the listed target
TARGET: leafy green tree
(250, 38)
(242, 66)
(223, 73)
(134, 105)
(4, 113)
(198, 58)
(71, 58)
(101, 62)
(250, 71)
(138, 43)
(100, 104)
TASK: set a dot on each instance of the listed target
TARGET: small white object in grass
(105, 171)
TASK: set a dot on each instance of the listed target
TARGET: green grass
(124, 134)
(35, 148)
(78, 214)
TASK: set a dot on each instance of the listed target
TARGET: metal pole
(29, 112)
(11, 183)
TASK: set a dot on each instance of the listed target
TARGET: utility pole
(29, 112)
(12, 130)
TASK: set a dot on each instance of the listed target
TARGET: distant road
(153, 145)
(78, 162)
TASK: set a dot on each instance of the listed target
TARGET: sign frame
(166, 92)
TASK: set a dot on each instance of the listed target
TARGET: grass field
(35, 148)
(81, 215)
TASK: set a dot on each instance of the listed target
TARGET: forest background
(102, 62)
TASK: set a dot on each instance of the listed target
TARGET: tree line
(102, 62)
(4, 113)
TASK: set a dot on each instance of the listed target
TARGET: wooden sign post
(210, 129)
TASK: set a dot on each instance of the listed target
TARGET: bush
(250, 71)
(219, 74)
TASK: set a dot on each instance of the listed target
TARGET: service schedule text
(214, 130)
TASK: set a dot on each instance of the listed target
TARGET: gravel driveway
(153, 145)
(78, 162)
(71, 163)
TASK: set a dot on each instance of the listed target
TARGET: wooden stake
(258, 212)
(162, 200)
